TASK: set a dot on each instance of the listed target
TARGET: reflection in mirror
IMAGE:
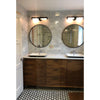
(40, 35)
(72, 36)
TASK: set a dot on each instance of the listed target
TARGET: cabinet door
(41, 72)
(74, 73)
(55, 73)
(34, 72)
(29, 71)
(63, 73)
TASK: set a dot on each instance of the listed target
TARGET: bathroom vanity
(56, 70)
(53, 71)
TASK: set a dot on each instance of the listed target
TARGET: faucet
(73, 52)
(40, 51)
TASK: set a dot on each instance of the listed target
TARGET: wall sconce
(79, 19)
(37, 19)
(74, 18)
(43, 18)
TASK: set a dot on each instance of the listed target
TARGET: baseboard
(19, 91)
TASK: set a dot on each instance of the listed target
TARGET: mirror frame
(62, 36)
(30, 39)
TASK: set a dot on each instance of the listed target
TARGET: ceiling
(51, 5)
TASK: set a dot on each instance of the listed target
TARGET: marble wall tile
(56, 45)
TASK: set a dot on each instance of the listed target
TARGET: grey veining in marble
(56, 24)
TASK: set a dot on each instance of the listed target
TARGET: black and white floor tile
(44, 94)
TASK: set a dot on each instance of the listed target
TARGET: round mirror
(40, 36)
(72, 36)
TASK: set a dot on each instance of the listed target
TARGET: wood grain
(76, 96)
(53, 73)
(75, 73)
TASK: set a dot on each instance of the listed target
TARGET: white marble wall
(56, 45)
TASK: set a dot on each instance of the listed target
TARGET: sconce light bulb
(70, 19)
(35, 20)
(79, 19)
(43, 19)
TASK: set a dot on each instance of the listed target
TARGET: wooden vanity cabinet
(75, 73)
(53, 72)
(34, 72)
(29, 72)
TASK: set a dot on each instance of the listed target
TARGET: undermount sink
(37, 54)
(76, 55)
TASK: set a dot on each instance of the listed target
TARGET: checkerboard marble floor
(44, 94)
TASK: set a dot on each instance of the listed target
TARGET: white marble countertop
(53, 56)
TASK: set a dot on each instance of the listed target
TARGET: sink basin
(74, 55)
(37, 54)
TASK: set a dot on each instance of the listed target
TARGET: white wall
(22, 50)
